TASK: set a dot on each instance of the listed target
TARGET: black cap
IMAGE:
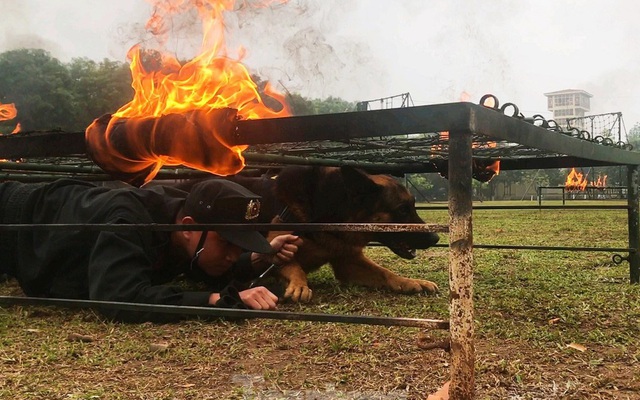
(216, 201)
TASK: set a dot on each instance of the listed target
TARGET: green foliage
(303, 106)
(331, 105)
(419, 185)
(634, 136)
(98, 88)
(51, 95)
(39, 85)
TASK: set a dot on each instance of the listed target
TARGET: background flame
(577, 181)
(7, 112)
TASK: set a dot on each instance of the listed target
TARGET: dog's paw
(298, 293)
(407, 285)
(429, 287)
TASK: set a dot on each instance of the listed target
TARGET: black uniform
(128, 266)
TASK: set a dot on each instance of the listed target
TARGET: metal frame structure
(403, 140)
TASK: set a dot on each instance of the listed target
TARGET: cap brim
(252, 241)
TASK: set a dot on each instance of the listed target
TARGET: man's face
(217, 255)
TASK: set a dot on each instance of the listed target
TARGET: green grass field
(549, 325)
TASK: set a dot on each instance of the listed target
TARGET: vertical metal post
(633, 198)
(539, 190)
(461, 267)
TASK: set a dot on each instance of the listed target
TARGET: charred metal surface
(41, 144)
(351, 125)
(633, 199)
(508, 164)
(225, 312)
(461, 267)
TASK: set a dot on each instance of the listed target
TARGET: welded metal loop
(624, 146)
(585, 135)
(539, 120)
(618, 259)
(573, 132)
(496, 102)
(580, 133)
(553, 125)
(512, 110)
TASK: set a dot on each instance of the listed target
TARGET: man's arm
(121, 270)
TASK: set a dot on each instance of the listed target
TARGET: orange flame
(483, 170)
(487, 171)
(600, 182)
(8, 112)
(164, 86)
(576, 181)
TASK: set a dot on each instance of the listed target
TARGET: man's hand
(259, 298)
(285, 246)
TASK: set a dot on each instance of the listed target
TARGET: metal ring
(516, 111)
(543, 122)
(585, 135)
(573, 132)
(490, 96)
(553, 125)
(618, 259)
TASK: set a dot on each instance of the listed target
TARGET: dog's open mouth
(404, 244)
(404, 251)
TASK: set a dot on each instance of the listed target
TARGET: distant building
(567, 104)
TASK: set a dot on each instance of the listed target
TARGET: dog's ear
(358, 183)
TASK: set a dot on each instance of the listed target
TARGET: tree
(98, 88)
(299, 105)
(634, 136)
(332, 105)
(39, 85)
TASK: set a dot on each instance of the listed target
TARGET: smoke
(303, 46)
(18, 30)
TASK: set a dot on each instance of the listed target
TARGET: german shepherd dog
(341, 195)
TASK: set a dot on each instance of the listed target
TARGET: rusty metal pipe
(461, 267)
(313, 227)
(224, 312)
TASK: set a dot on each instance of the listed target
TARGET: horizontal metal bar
(30, 178)
(554, 248)
(358, 124)
(558, 207)
(315, 227)
(22, 166)
(369, 166)
(42, 144)
(225, 312)
(518, 164)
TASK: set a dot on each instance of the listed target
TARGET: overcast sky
(369, 49)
